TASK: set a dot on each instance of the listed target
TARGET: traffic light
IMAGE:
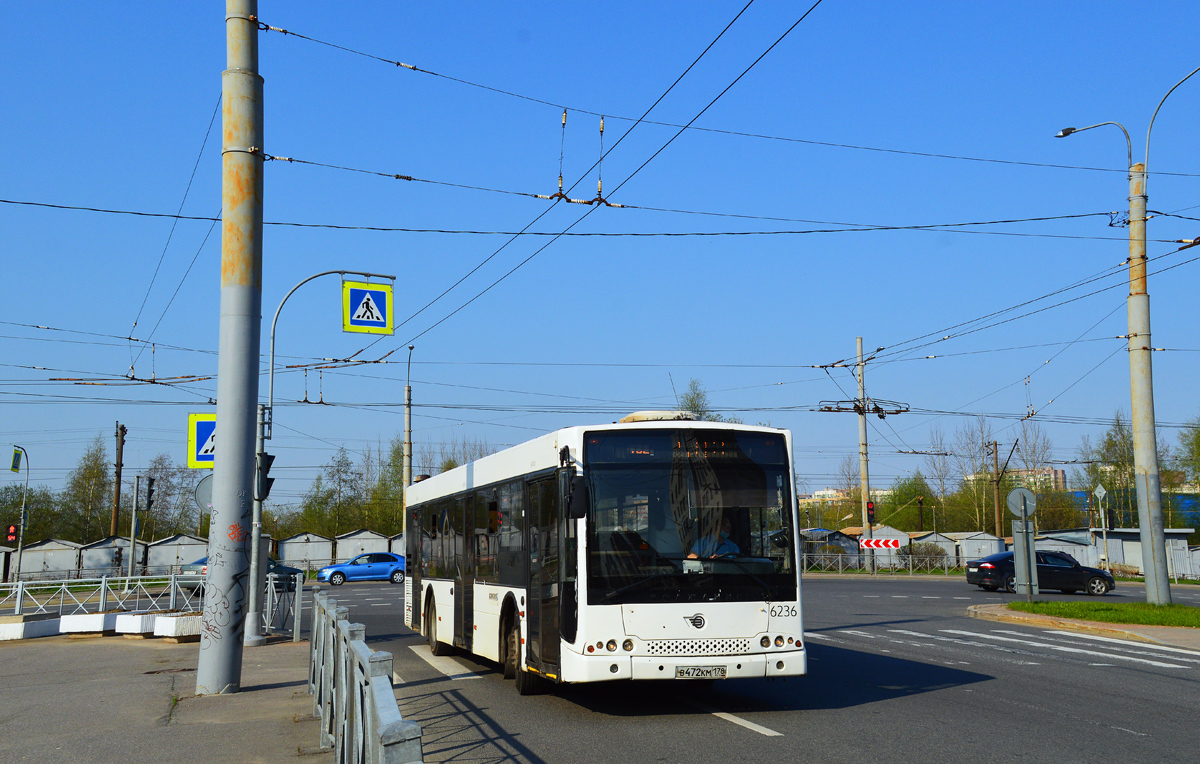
(12, 533)
(871, 512)
(263, 481)
(149, 493)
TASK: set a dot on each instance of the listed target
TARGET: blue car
(374, 566)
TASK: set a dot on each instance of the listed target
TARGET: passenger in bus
(716, 543)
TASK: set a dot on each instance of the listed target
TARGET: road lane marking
(448, 666)
(858, 633)
(1129, 643)
(811, 635)
(871, 596)
(1064, 648)
(735, 719)
(396, 678)
(899, 596)
(931, 598)
(380, 604)
(962, 598)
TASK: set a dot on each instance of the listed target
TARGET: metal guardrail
(353, 695)
(283, 604)
(91, 595)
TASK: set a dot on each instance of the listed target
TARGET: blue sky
(108, 105)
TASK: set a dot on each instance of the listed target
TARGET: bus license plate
(699, 672)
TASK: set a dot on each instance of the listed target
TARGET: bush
(923, 549)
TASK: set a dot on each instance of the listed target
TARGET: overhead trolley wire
(648, 160)
(581, 217)
(561, 106)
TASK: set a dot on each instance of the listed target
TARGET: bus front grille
(697, 647)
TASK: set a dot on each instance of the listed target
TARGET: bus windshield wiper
(765, 586)
(635, 585)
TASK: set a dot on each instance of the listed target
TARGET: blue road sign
(366, 307)
(202, 440)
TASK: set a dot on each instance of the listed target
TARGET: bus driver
(716, 544)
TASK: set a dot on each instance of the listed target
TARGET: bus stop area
(110, 699)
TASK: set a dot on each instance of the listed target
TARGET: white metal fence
(95, 595)
(353, 695)
(892, 563)
(282, 599)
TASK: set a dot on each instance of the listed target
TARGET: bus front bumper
(600, 668)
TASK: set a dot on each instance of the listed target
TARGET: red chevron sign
(879, 543)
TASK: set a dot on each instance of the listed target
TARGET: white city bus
(654, 548)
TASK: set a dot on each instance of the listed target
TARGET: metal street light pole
(1141, 381)
(253, 636)
(21, 520)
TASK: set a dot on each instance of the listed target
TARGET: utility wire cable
(858, 227)
(174, 223)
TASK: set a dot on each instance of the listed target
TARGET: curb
(1001, 614)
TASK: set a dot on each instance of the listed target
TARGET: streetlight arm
(275, 320)
(1128, 143)
(1160, 103)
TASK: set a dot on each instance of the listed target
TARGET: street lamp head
(1065, 132)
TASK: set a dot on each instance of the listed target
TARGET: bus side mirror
(577, 506)
(779, 539)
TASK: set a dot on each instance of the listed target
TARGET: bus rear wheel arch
(510, 639)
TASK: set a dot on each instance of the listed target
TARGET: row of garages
(1089, 546)
(52, 559)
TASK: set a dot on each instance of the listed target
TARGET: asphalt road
(897, 673)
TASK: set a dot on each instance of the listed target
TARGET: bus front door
(542, 612)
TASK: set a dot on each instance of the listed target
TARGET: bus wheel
(527, 682)
(435, 647)
(512, 648)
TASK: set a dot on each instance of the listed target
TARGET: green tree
(900, 509)
(87, 497)
(1188, 453)
(695, 401)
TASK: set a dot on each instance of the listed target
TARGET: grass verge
(1139, 613)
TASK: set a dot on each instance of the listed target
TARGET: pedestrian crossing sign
(367, 308)
(202, 440)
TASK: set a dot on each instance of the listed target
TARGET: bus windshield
(683, 515)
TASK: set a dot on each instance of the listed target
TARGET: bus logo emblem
(696, 620)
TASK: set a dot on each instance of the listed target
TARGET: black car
(1055, 570)
(191, 576)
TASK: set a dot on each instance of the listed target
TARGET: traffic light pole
(137, 496)
(21, 520)
(254, 636)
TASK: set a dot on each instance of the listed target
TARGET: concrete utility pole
(1141, 391)
(1141, 380)
(862, 452)
(996, 488)
(220, 665)
(116, 508)
(408, 430)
